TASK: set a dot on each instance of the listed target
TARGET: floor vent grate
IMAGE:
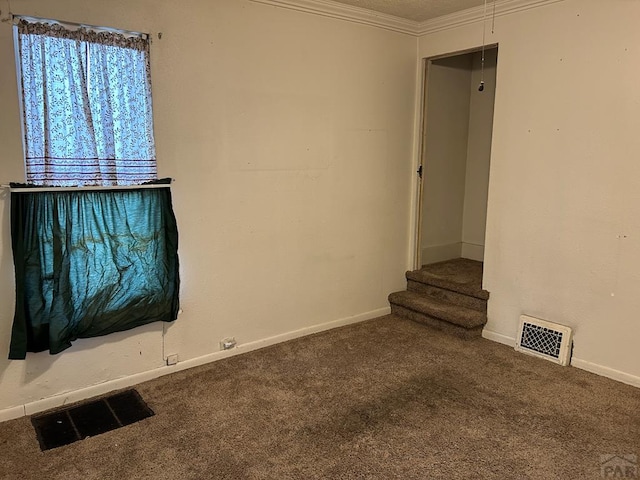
(71, 424)
(544, 339)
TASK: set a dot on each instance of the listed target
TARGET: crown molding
(329, 8)
(476, 14)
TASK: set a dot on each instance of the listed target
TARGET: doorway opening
(456, 136)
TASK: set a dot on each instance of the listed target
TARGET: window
(88, 262)
(86, 104)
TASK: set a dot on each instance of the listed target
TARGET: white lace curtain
(87, 111)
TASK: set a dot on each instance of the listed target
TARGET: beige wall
(445, 157)
(478, 155)
(290, 137)
(563, 236)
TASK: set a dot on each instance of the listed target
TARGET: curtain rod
(82, 189)
(74, 25)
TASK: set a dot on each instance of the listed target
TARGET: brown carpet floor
(383, 399)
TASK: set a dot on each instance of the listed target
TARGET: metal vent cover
(544, 339)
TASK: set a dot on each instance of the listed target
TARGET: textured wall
(478, 155)
(563, 235)
(290, 137)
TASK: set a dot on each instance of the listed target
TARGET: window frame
(73, 26)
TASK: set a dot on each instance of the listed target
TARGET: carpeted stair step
(461, 321)
(447, 295)
(460, 275)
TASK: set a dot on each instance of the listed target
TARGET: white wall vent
(544, 339)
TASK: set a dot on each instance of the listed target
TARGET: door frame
(421, 125)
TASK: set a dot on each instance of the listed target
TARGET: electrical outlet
(228, 343)
(172, 359)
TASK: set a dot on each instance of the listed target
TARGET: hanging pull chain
(484, 28)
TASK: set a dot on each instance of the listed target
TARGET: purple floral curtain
(86, 99)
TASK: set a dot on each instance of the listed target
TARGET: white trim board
(340, 11)
(498, 337)
(472, 251)
(332, 9)
(131, 380)
(606, 372)
(440, 253)
(476, 14)
(30, 408)
(575, 362)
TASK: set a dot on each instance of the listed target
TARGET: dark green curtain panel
(89, 263)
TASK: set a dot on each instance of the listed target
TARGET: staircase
(447, 296)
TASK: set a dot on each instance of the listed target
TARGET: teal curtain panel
(89, 263)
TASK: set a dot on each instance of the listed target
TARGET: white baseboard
(575, 362)
(606, 372)
(11, 413)
(130, 380)
(440, 253)
(266, 342)
(472, 251)
(92, 391)
(498, 337)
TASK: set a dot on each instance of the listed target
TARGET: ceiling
(415, 10)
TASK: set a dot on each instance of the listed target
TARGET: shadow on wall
(7, 292)
(36, 363)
